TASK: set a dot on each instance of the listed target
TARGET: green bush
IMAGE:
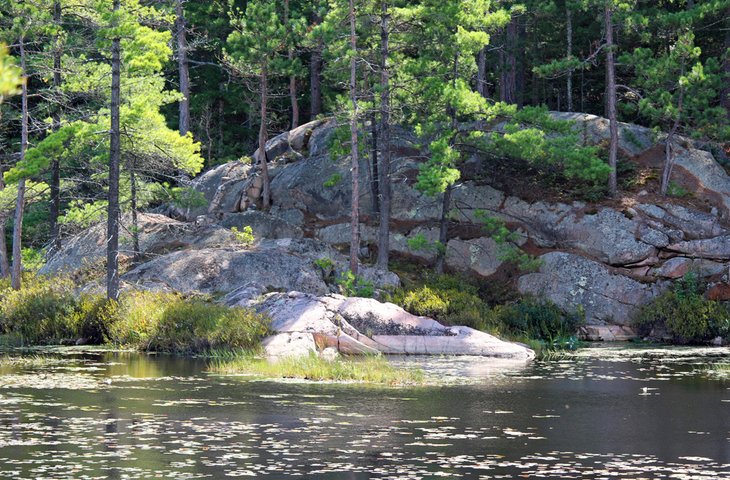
(40, 312)
(352, 285)
(685, 314)
(448, 299)
(47, 310)
(540, 319)
(168, 322)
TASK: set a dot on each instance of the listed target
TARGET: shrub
(352, 285)
(685, 314)
(168, 322)
(542, 320)
(448, 299)
(244, 236)
(40, 312)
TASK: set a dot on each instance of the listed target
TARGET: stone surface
(692, 223)
(678, 267)
(328, 321)
(717, 247)
(698, 171)
(572, 281)
(263, 224)
(242, 273)
(608, 236)
(479, 256)
(607, 333)
(633, 139)
(158, 234)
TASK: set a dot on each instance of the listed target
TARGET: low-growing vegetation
(366, 369)
(454, 300)
(683, 315)
(48, 311)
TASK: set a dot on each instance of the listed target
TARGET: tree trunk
(315, 81)
(135, 221)
(17, 267)
(611, 98)
(374, 159)
(292, 78)
(355, 212)
(263, 161)
(511, 74)
(521, 63)
(569, 38)
(4, 264)
(182, 66)
(502, 77)
(668, 156)
(55, 164)
(725, 94)
(443, 229)
(384, 137)
(482, 86)
(113, 212)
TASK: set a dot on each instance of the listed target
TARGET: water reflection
(615, 413)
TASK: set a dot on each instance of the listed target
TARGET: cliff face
(607, 258)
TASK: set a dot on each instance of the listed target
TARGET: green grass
(369, 369)
(720, 368)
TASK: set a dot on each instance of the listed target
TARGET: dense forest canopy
(122, 102)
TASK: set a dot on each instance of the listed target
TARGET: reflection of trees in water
(111, 435)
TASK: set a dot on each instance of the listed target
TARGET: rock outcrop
(608, 259)
(245, 273)
(366, 326)
(572, 281)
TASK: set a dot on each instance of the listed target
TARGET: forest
(110, 108)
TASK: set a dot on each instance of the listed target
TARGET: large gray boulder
(480, 256)
(698, 171)
(306, 323)
(574, 282)
(713, 248)
(226, 182)
(158, 234)
(246, 272)
(633, 140)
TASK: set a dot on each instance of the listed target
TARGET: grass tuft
(368, 369)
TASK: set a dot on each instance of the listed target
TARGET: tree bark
(315, 79)
(292, 78)
(133, 201)
(668, 156)
(569, 38)
(384, 138)
(725, 94)
(113, 212)
(4, 264)
(263, 163)
(443, 230)
(55, 164)
(374, 159)
(611, 98)
(182, 66)
(17, 267)
(511, 60)
(482, 86)
(355, 203)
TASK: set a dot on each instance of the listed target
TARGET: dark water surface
(608, 413)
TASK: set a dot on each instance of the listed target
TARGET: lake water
(610, 412)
